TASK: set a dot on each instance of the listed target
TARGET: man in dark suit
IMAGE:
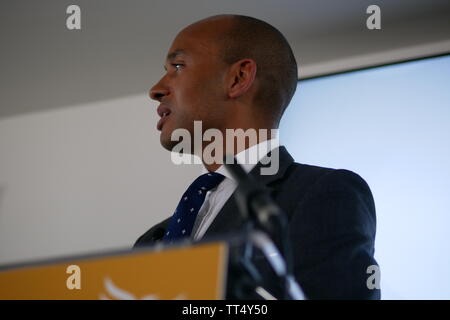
(239, 72)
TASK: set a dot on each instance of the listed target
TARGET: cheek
(192, 101)
(209, 95)
(198, 99)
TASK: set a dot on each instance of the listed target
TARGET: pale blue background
(391, 125)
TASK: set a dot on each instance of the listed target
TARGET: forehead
(199, 39)
(192, 45)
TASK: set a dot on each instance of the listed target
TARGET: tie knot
(207, 181)
(183, 219)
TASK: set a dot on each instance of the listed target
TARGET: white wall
(85, 178)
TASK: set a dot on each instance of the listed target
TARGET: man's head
(227, 71)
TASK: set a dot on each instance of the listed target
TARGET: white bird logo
(120, 294)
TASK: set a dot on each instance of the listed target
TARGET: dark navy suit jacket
(331, 231)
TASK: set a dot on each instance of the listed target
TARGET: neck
(236, 144)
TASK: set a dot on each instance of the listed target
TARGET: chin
(166, 142)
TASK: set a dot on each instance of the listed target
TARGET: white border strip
(374, 59)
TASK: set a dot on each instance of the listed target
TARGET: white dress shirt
(216, 198)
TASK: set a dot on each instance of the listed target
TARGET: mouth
(164, 113)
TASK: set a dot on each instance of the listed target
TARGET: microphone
(256, 204)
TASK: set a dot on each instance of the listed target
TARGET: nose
(158, 91)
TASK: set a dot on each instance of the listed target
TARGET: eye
(177, 65)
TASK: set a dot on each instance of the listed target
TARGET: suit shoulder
(315, 175)
(304, 176)
(303, 181)
(345, 181)
(333, 188)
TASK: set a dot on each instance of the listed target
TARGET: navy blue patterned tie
(183, 219)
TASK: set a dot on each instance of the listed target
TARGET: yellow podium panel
(196, 272)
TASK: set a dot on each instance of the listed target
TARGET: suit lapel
(229, 218)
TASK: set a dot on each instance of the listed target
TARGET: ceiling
(121, 47)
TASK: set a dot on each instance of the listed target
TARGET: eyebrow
(175, 53)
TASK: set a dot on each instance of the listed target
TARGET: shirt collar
(249, 157)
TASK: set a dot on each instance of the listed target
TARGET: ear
(241, 77)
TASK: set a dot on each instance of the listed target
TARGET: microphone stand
(270, 235)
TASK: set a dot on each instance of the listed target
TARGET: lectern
(184, 272)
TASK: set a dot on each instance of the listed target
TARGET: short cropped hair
(277, 70)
